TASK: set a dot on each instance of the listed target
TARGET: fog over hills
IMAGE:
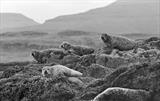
(14, 20)
(123, 16)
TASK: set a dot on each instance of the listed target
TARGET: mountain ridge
(122, 16)
(138, 17)
(15, 20)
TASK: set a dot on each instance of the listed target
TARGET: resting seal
(78, 50)
(44, 55)
(60, 70)
(56, 70)
(117, 42)
(123, 94)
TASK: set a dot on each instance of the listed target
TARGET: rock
(123, 94)
(70, 59)
(139, 50)
(150, 55)
(141, 76)
(24, 99)
(99, 71)
(115, 53)
(75, 49)
(99, 85)
(94, 70)
(108, 78)
(75, 80)
(37, 89)
(87, 60)
(158, 56)
(9, 65)
(1, 73)
(155, 44)
(110, 61)
(11, 71)
(107, 49)
(145, 76)
(151, 39)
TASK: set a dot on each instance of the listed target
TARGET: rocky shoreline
(136, 68)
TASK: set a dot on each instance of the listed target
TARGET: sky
(41, 10)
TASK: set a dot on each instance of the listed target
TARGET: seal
(56, 70)
(60, 70)
(76, 49)
(117, 42)
(44, 55)
(123, 94)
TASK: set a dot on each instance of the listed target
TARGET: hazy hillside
(123, 16)
(14, 20)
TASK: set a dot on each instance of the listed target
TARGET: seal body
(122, 94)
(56, 70)
(44, 55)
(76, 49)
(117, 42)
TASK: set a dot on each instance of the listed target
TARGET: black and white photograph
(79, 50)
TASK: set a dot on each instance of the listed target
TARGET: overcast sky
(40, 10)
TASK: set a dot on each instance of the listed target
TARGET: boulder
(99, 71)
(110, 61)
(145, 76)
(151, 39)
(36, 88)
(96, 86)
